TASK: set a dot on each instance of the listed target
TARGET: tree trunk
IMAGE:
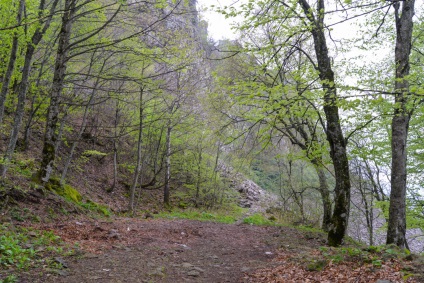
(139, 143)
(400, 123)
(166, 192)
(12, 59)
(325, 196)
(340, 218)
(50, 135)
(199, 172)
(115, 150)
(367, 202)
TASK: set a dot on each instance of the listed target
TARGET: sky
(218, 26)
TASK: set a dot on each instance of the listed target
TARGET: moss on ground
(64, 190)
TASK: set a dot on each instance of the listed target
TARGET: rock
(187, 265)
(245, 203)
(27, 246)
(253, 198)
(199, 269)
(32, 234)
(40, 249)
(383, 281)
(113, 234)
(185, 246)
(193, 273)
(245, 269)
(62, 273)
(61, 261)
(57, 271)
(94, 277)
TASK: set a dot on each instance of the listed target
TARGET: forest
(130, 108)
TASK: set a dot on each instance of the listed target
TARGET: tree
(12, 59)
(62, 57)
(303, 17)
(23, 86)
(333, 130)
(404, 12)
(51, 135)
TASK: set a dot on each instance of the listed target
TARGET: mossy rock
(65, 191)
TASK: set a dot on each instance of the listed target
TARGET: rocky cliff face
(251, 195)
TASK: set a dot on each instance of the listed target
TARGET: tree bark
(334, 133)
(50, 135)
(400, 123)
(325, 196)
(137, 171)
(115, 149)
(199, 171)
(166, 192)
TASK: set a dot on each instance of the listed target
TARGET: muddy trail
(158, 250)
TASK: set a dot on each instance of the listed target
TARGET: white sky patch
(218, 26)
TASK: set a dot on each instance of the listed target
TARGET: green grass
(258, 219)
(228, 215)
(375, 255)
(93, 206)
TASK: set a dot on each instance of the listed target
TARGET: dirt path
(159, 250)
(129, 250)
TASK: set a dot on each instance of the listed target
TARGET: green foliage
(257, 219)
(20, 247)
(92, 152)
(9, 279)
(316, 265)
(12, 254)
(21, 166)
(375, 255)
(99, 208)
(384, 206)
(23, 214)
